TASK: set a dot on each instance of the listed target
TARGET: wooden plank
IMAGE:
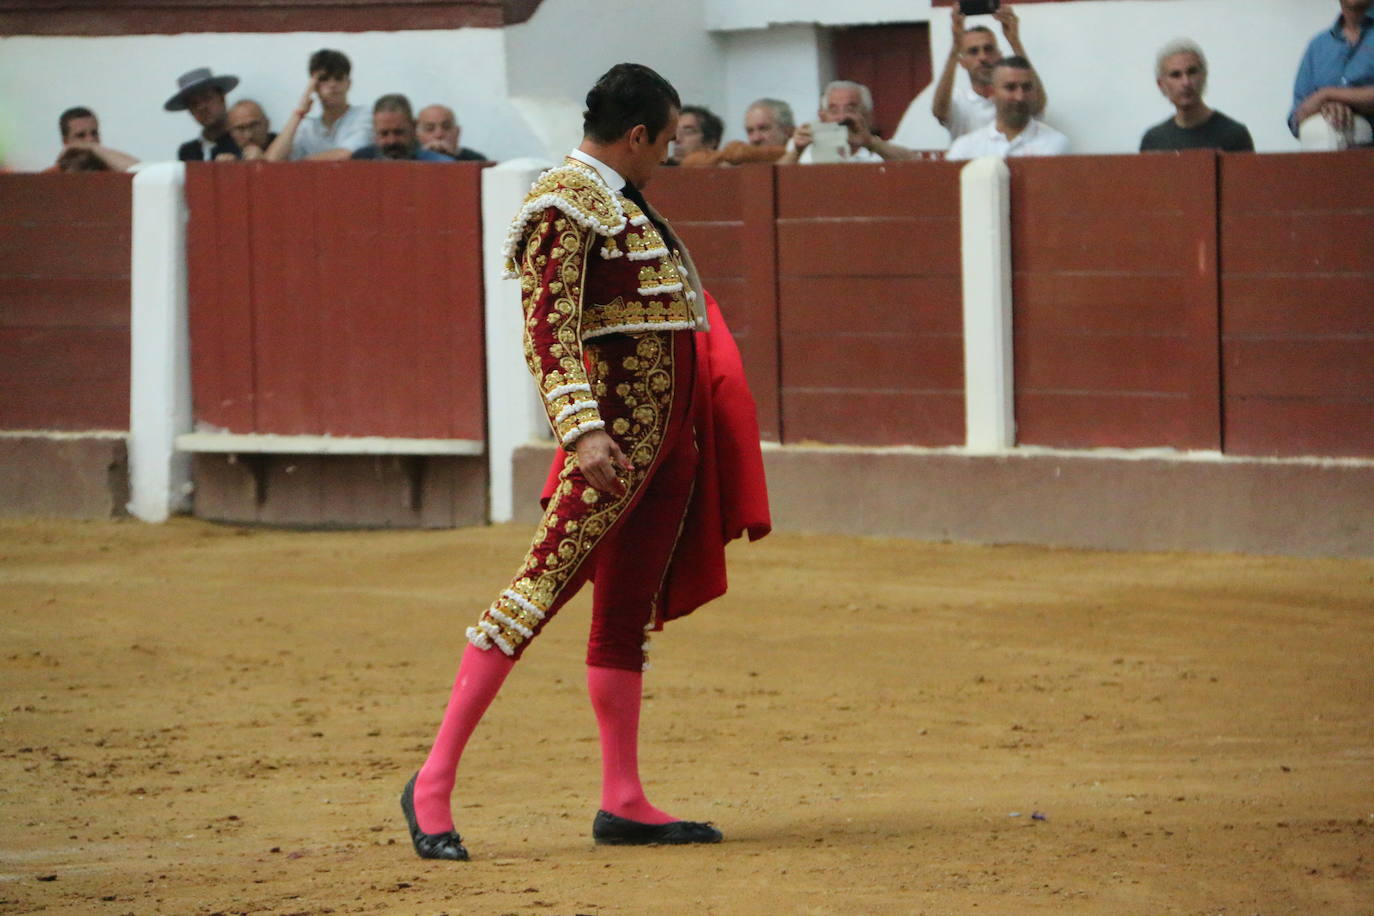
(1059, 187)
(873, 417)
(220, 293)
(1334, 368)
(717, 248)
(230, 443)
(931, 304)
(56, 302)
(685, 196)
(758, 334)
(877, 247)
(64, 378)
(1330, 304)
(1320, 427)
(292, 311)
(90, 199)
(892, 190)
(64, 250)
(39, 405)
(1331, 181)
(64, 355)
(1103, 420)
(1101, 363)
(465, 350)
(867, 361)
(1279, 242)
(1117, 293)
(1109, 301)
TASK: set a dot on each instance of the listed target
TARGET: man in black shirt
(202, 94)
(1181, 73)
(436, 128)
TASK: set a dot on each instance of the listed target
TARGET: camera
(978, 7)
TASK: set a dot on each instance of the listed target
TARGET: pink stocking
(480, 676)
(615, 696)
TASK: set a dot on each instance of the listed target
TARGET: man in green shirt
(1181, 73)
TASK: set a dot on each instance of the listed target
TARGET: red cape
(730, 496)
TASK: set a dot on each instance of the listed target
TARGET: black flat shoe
(447, 845)
(610, 830)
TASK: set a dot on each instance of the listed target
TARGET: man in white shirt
(340, 128)
(976, 50)
(850, 104)
(1013, 132)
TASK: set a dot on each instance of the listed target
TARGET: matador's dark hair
(626, 95)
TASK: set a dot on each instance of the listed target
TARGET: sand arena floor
(202, 719)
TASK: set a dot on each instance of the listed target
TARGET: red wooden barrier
(337, 299)
(1115, 291)
(64, 301)
(869, 304)
(725, 217)
(1297, 303)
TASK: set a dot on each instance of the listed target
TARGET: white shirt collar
(1026, 134)
(613, 179)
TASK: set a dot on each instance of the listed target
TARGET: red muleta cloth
(730, 495)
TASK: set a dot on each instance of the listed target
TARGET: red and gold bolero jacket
(590, 263)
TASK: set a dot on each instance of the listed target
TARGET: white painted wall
(555, 57)
(126, 79)
(759, 14)
(1097, 58)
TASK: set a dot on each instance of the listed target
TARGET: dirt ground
(203, 719)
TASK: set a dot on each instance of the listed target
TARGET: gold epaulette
(577, 191)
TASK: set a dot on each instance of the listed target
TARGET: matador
(659, 462)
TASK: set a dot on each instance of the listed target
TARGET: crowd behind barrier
(999, 110)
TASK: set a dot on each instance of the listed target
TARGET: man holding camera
(847, 105)
(976, 50)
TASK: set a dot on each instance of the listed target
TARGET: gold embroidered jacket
(591, 262)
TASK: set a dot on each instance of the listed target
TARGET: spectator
(850, 104)
(976, 50)
(1181, 73)
(340, 128)
(1333, 95)
(437, 129)
(1013, 132)
(769, 122)
(202, 94)
(82, 151)
(79, 159)
(249, 127)
(393, 133)
(698, 128)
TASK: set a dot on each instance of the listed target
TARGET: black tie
(634, 194)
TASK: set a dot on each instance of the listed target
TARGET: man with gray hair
(848, 104)
(769, 122)
(1181, 74)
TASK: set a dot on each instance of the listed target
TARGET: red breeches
(643, 386)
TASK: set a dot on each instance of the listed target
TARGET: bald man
(436, 127)
(248, 125)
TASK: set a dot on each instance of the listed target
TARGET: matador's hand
(602, 461)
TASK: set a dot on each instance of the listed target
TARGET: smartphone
(978, 7)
